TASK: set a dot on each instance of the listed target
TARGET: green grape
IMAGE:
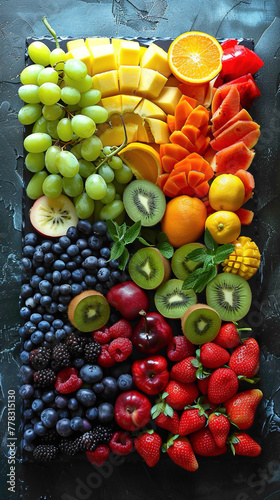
(124, 175)
(35, 162)
(29, 113)
(39, 53)
(91, 148)
(67, 164)
(83, 126)
(96, 187)
(115, 162)
(121, 218)
(110, 195)
(75, 69)
(37, 143)
(53, 112)
(118, 196)
(69, 95)
(73, 186)
(72, 108)
(76, 150)
(106, 172)
(83, 85)
(86, 168)
(64, 130)
(52, 186)
(34, 188)
(50, 157)
(49, 93)
(119, 187)
(52, 129)
(107, 150)
(84, 206)
(47, 75)
(29, 93)
(111, 210)
(57, 59)
(30, 74)
(40, 126)
(90, 98)
(96, 113)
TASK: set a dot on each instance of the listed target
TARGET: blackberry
(92, 351)
(40, 358)
(87, 441)
(61, 356)
(68, 447)
(103, 434)
(44, 378)
(51, 437)
(76, 344)
(45, 452)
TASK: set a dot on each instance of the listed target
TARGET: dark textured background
(217, 479)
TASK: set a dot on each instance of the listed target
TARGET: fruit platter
(137, 255)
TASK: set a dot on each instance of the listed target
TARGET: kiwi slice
(201, 324)
(171, 301)
(148, 268)
(230, 295)
(144, 201)
(181, 265)
(89, 311)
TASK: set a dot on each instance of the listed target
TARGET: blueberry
(52, 308)
(92, 413)
(30, 303)
(55, 292)
(60, 334)
(105, 253)
(37, 337)
(72, 233)
(22, 333)
(72, 250)
(116, 275)
(37, 405)
(86, 397)
(81, 243)
(29, 327)
(86, 253)
(26, 264)
(28, 251)
(48, 317)
(46, 246)
(103, 274)
(65, 258)
(29, 435)
(99, 288)
(26, 391)
(37, 297)
(90, 262)
(84, 285)
(99, 227)
(86, 425)
(77, 275)
(30, 239)
(28, 345)
(71, 266)
(49, 417)
(61, 401)
(65, 275)
(25, 313)
(26, 291)
(84, 226)
(95, 243)
(64, 241)
(110, 387)
(78, 259)
(125, 382)
(62, 308)
(57, 248)
(114, 264)
(28, 414)
(59, 265)
(91, 373)
(45, 287)
(105, 412)
(76, 289)
(98, 387)
(76, 423)
(90, 281)
(48, 397)
(38, 256)
(27, 446)
(28, 425)
(73, 404)
(24, 357)
(26, 374)
(40, 429)
(65, 289)
(68, 329)
(41, 271)
(36, 318)
(78, 363)
(49, 258)
(63, 427)
(57, 323)
(44, 326)
(64, 413)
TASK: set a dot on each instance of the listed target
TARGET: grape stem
(116, 151)
(51, 30)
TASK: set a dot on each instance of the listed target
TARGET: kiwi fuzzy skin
(192, 309)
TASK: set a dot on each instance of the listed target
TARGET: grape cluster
(63, 152)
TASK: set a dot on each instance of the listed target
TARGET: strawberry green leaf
(195, 363)
(164, 395)
(168, 411)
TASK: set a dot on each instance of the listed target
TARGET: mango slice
(113, 104)
(103, 59)
(158, 130)
(129, 77)
(74, 44)
(151, 83)
(92, 42)
(129, 53)
(129, 103)
(107, 83)
(156, 58)
(168, 99)
(147, 109)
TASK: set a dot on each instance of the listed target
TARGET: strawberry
(241, 407)
(99, 455)
(193, 418)
(245, 358)
(229, 335)
(121, 329)
(148, 446)
(223, 384)
(180, 451)
(213, 355)
(204, 444)
(242, 444)
(180, 348)
(164, 416)
(180, 395)
(203, 385)
(184, 371)
(219, 426)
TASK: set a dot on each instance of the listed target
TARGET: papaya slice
(195, 178)
(177, 137)
(183, 166)
(231, 159)
(174, 184)
(187, 190)
(171, 122)
(229, 107)
(168, 163)
(209, 154)
(243, 115)
(202, 144)
(190, 100)
(245, 216)
(182, 111)
(248, 181)
(161, 180)
(198, 117)
(236, 133)
(197, 92)
(218, 98)
(191, 132)
(178, 152)
(202, 190)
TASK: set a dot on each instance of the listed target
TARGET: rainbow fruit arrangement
(135, 151)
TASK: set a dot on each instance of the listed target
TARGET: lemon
(227, 192)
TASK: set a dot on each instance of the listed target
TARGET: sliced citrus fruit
(195, 57)
(143, 160)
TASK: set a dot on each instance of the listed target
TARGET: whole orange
(184, 220)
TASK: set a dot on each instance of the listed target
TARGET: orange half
(143, 160)
(195, 57)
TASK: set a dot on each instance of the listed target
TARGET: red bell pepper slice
(247, 88)
(238, 60)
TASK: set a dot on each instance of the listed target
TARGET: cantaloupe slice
(129, 103)
(107, 83)
(113, 104)
(147, 109)
(156, 58)
(129, 78)
(236, 133)
(168, 99)
(151, 84)
(103, 59)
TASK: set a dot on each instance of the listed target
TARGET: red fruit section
(229, 107)
(237, 132)
(232, 159)
(248, 181)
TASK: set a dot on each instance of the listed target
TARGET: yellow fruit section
(168, 99)
(113, 104)
(129, 53)
(102, 59)
(107, 83)
(83, 54)
(129, 103)
(148, 109)
(156, 58)
(143, 160)
(245, 259)
(92, 42)
(151, 83)
(159, 131)
(74, 44)
(129, 77)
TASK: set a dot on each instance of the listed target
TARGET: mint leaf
(197, 255)
(122, 231)
(113, 229)
(149, 235)
(204, 279)
(208, 261)
(123, 259)
(132, 232)
(117, 250)
(161, 237)
(209, 241)
(144, 242)
(223, 252)
(191, 279)
(166, 249)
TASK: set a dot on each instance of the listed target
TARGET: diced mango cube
(129, 53)
(142, 52)
(92, 42)
(103, 59)
(129, 103)
(156, 58)
(129, 77)
(168, 99)
(107, 83)
(83, 54)
(74, 44)
(151, 83)
(172, 81)
(147, 109)
(116, 42)
(113, 104)
(115, 136)
(158, 131)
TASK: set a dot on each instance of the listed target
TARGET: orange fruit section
(143, 160)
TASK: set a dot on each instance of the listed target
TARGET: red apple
(150, 375)
(132, 410)
(152, 333)
(128, 298)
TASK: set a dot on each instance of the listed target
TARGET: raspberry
(103, 335)
(99, 455)
(121, 329)
(105, 359)
(120, 349)
(67, 381)
(121, 443)
(180, 348)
